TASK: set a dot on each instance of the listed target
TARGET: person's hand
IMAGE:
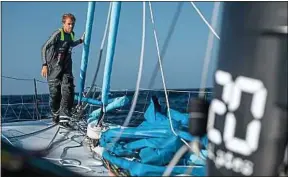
(83, 37)
(44, 71)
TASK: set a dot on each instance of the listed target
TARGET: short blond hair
(68, 15)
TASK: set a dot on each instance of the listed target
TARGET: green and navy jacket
(59, 44)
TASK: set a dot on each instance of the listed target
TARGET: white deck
(88, 167)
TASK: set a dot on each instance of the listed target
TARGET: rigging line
(166, 43)
(203, 18)
(175, 160)
(209, 50)
(199, 153)
(15, 78)
(51, 144)
(162, 74)
(41, 81)
(33, 133)
(178, 155)
(135, 97)
(157, 90)
(62, 158)
(23, 79)
(22, 133)
(136, 93)
(93, 97)
(44, 151)
(7, 139)
(47, 150)
(65, 150)
(181, 151)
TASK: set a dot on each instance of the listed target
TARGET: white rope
(106, 26)
(162, 74)
(166, 42)
(128, 118)
(178, 156)
(7, 140)
(209, 49)
(195, 144)
(205, 21)
(135, 97)
(175, 160)
(184, 149)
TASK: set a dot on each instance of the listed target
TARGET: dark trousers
(61, 88)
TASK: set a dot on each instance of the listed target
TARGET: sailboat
(81, 147)
(159, 145)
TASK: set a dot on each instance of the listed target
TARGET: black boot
(65, 122)
(56, 119)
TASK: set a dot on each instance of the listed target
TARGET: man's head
(68, 21)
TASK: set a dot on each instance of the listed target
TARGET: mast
(85, 53)
(248, 116)
(112, 35)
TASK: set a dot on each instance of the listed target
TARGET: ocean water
(23, 107)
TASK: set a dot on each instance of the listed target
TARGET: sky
(27, 25)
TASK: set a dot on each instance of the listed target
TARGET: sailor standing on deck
(57, 68)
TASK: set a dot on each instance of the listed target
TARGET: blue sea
(23, 107)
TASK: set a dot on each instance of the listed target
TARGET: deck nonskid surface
(66, 147)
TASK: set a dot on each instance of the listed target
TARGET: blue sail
(152, 144)
(138, 169)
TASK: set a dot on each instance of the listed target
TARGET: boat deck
(67, 147)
